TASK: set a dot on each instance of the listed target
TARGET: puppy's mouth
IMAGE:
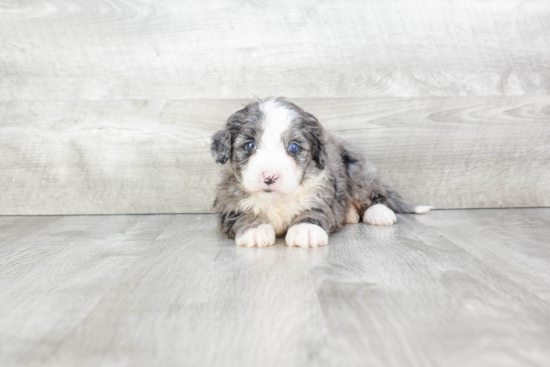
(268, 190)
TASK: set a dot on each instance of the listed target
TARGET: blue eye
(293, 148)
(250, 146)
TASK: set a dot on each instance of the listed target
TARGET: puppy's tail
(399, 205)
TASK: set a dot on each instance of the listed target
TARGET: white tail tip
(421, 209)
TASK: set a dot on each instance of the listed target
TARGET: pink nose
(270, 177)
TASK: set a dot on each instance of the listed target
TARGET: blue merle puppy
(284, 175)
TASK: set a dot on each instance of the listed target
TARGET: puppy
(282, 173)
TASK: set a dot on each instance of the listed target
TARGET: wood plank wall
(108, 106)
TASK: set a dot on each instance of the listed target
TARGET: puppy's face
(271, 146)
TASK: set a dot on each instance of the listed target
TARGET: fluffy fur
(269, 188)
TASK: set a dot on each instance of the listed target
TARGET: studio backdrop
(108, 106)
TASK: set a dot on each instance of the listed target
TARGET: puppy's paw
(352, 216)
(306, 235)
(421, 209)
(261, 236)
(379, 215)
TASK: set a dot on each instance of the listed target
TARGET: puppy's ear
(319, 153)
(221, 146)
(317, 141)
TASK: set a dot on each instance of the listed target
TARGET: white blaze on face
(271, 158)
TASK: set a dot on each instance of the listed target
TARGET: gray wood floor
(450, 288)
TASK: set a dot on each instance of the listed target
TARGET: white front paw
(261, 236)
(379, 215)
(306, 235)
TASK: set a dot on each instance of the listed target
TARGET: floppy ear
(221, 146)
(317, 141)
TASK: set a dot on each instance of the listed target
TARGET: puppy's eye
(250, 146)
(293, 148)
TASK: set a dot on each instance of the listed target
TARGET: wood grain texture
(95, 157)
(523, 235)
(171, 290)
(52, 278)
(144, 49)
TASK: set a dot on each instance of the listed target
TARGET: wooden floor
(449, 288)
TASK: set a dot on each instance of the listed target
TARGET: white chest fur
(280, 210)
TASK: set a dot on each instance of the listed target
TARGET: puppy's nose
(270, 177)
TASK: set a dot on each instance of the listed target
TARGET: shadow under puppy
(283, 173)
